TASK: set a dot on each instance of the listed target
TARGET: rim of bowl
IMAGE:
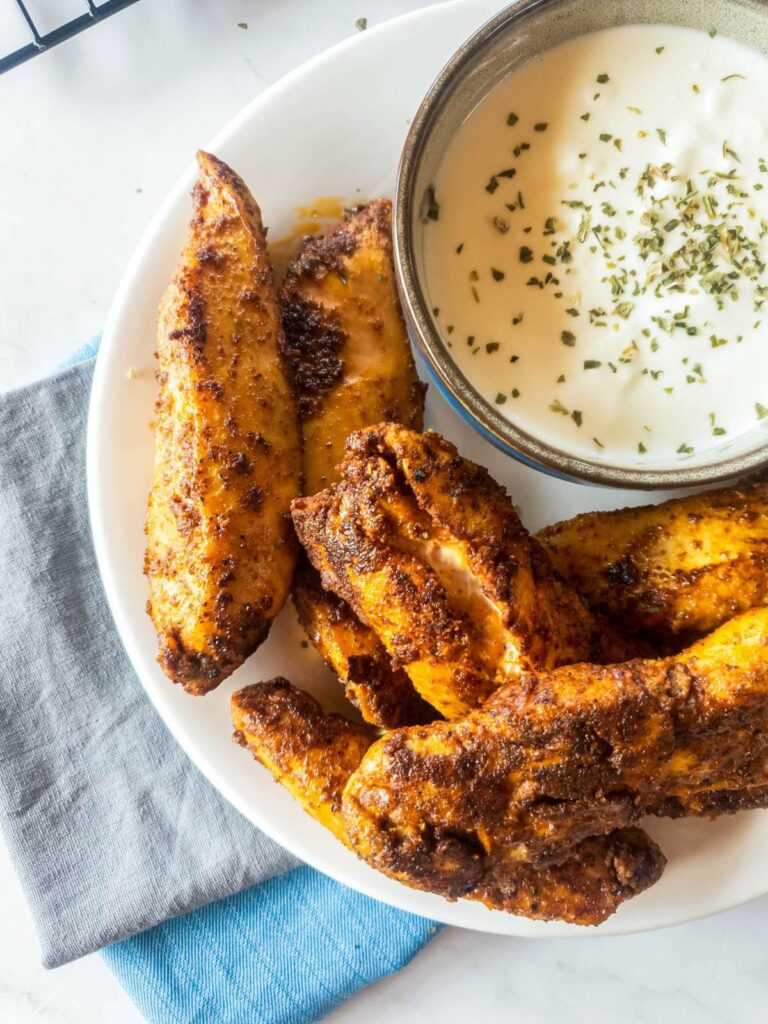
(454, 386)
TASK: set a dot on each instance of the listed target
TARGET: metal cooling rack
(92, 15)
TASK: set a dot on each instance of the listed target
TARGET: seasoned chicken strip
(384, 696)
(678, 569)
(313, 755)
(573, 753)
(220, 549)
(430, 552)
(345, 340)
(351, 366)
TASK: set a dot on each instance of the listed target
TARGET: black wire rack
(40, 42)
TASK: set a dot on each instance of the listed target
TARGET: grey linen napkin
(110, 826)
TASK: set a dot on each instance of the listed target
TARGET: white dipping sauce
(596, 246)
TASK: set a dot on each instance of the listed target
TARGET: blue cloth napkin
(287, 951)
(110, 827)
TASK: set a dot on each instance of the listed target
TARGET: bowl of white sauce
(581, 237)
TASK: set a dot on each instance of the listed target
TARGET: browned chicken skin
(313, 755)
(351, 366)
(674, 570)
(430, 552)
(220, 549)
(576, 752)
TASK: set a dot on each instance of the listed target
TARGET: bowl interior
(521, 31)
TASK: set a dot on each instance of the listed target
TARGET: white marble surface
(93, 135)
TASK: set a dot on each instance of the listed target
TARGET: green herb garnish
(430, 205)
(557, 406)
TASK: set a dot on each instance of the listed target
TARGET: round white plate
(335, 127)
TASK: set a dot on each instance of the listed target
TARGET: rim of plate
(371, 883)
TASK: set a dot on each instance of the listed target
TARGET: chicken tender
(220, 549)
(313, 755)
(576, 752)
(351, 366)
(675, 570)
(429, 551)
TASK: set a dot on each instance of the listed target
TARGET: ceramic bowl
(523, 29)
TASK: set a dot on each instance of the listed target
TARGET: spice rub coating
(586, 888)
(573, 753)
(309, 752)
(384, 695)
(430, 553)
(220, 549)
(674, 570)
(313, 755)
(345, 340)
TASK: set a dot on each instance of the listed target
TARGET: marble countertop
(94, 134)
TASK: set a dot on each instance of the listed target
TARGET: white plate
(335, 127)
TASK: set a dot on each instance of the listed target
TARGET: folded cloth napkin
(111, 828)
